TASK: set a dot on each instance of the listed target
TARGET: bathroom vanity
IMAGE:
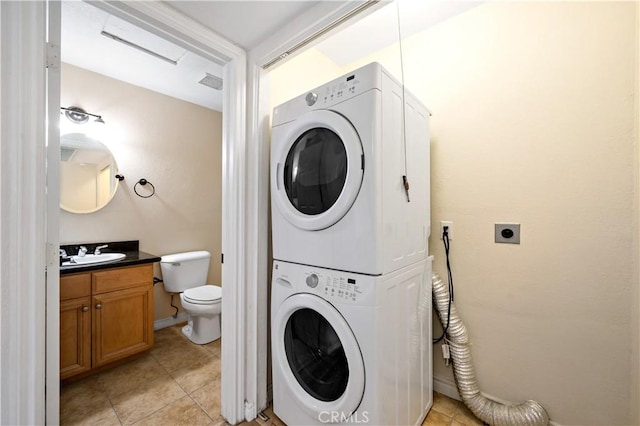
(106, 310)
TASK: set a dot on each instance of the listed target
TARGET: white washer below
(203, 304)
(350, 348)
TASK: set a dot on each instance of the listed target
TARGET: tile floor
(178, 383)
(449, 412)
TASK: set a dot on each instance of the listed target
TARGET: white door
(318, 356)
(318, 169)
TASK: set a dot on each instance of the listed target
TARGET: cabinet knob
(99, 306)
(85, 308)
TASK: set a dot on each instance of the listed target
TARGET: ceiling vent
(211, 81)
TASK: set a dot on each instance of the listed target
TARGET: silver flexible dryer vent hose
(528, 413)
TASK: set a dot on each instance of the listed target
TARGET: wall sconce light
(78, 115)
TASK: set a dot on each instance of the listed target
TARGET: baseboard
(169, 321)
(449, 388)
(446, 387)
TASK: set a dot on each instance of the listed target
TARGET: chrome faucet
(82, 251)
(64, 256)
(97, 250)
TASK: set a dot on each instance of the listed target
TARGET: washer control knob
(311, 98)
(312, 280)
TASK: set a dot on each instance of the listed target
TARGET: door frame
(52, 303)
(164, 21)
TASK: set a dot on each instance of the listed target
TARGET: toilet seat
(203, 295)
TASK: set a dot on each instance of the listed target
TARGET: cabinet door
(75, 336)
(122, 324)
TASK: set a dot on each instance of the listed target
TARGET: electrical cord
(447, 246)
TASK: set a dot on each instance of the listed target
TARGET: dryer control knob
(312, 280)
(311, 98)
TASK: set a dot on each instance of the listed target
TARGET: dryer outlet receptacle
(507, 233)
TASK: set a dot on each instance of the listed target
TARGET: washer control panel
(342, 288)
(337, 287)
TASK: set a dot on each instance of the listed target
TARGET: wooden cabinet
(75, 337)
(75, 324)
(105, 316)
(122, 324)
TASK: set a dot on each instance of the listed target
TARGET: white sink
(89, 259)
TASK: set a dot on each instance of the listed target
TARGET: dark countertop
(133, 256)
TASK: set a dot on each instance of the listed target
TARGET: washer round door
(318, 170)
(318, 356)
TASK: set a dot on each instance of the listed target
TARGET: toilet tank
(182, 271)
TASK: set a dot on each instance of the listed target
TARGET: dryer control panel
(339, 90)
(357, 82)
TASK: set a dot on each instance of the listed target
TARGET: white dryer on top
(340, 155)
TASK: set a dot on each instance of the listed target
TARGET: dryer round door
(318, 356)
(318, 170)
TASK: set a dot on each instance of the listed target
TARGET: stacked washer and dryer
(351, 287)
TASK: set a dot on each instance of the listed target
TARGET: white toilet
(186, 273)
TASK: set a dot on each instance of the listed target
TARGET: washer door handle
(278, 168)
(284, 282)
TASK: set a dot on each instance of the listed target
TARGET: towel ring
(144, 182)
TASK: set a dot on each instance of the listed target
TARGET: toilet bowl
(203, 304)
(186, 273)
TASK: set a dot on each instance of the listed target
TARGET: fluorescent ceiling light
(137, 46)
(136, 37)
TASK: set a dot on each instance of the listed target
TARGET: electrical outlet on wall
(449, 226)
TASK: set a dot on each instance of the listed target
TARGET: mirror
(87, 174)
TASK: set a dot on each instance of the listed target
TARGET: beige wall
(173, 144)
(533, 122)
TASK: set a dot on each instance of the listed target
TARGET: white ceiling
(380, 29)
(83, 46)
(244, 22)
